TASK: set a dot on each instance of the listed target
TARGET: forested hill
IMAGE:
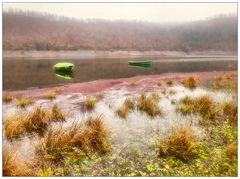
(35, 31)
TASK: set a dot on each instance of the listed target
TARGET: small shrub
(50, 95)
(159, 83)
(169, 82)
(190, 82)
(7, 98)
(231, 150)
(89, 102)
(182, 144)
(148, 105)
(11, 166)
(23, 102)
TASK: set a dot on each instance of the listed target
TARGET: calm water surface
(19, 74)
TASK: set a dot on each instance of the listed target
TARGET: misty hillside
(35, 31)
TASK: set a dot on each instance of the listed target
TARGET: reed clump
(89, 102)
(23, 102)
(11, 166)
(50, 95)
(169, 82)
(190, 82)
(231, 150)
(34, 121)
(159, 83)
(182, 143)
(149, 105)
(230, 110)
(7, 98)
(92, 135)
(127, 106)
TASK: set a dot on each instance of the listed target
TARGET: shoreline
(101, 85)
(94, 54)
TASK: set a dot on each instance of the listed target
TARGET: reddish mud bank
(100, 85)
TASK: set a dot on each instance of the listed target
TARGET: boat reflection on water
(68, 75)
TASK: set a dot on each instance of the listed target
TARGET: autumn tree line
(40, 31)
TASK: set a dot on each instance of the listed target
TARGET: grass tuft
(231, 150)
(34, 121)
(159, 83)
(132, 83)
(23, 102)
(60, 142)
(11, 165)
(57, 114)
(127, 106)
(190, 82)
(89, 102)
(230, 110)
(169, 82)
(7, 98)
(181, 143)
(148, 105)
(50, 95)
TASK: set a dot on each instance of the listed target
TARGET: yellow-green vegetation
(159, 83)
(59, 142)
(89, 102)
(23, 102)
(169, 82)
(229, 110)
(181, 143)
(190, 82)
(223, 82)
(7, 98)
(11, 166)
(127, 106)
(148, 104)
(34, 121)
(50, 95)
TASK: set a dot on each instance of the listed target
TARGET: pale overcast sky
(152, 12)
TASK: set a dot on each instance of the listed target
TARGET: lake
(19, 73)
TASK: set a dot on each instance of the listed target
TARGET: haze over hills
(38, 31)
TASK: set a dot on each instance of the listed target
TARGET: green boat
(63, 66)
(140, 63)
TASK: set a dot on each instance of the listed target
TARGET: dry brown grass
(159, 83)
(7, 98)
(169, 82)
(34, 121)
(181, 143)
(149, 105)
(230, 110)
(204, 105)
(190, 82)
(12, 166)
(231, 150)
(89, 136)
(57, 114)
(23, 102)
(127, 106)
(132, 83)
